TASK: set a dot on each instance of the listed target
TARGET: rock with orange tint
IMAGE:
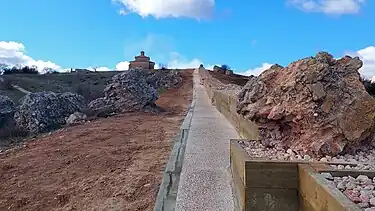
(316, 105)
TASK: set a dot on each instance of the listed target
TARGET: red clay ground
(230, 79)
(109, 164)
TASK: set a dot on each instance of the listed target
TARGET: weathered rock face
(7, 110)
(164, 78)
(317, 105)
(43, 111)
(129, 91)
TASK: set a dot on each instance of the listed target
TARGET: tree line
(18, 69)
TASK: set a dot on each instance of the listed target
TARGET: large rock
(129, 91)
(43, 111)
(164, 78)
(76, 118)
(7, 110)
(218, 69)
(317, 105)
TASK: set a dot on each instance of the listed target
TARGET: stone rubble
(128, 91)
(43, 111)
(360, 190)
(7, 110)
(255, 149)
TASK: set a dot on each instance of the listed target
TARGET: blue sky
(246, 35)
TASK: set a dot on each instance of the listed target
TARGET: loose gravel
(360, 190)
(363, 160)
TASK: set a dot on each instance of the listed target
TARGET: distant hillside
(88, 84)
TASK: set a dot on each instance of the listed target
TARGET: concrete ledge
(167, 194)
(227, 105)
(286, 185)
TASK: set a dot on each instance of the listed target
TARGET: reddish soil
(109, 164)
(230, 79)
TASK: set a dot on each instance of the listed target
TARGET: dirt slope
(110, 164)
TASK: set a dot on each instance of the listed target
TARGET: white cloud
(197, 9)
(122, 66)
(256, 71)
(367, 55)
(336, 7)
(14, 53)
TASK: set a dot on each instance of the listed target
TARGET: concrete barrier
(285, 185)
(227, 105)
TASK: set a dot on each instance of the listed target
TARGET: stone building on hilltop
(142, 62)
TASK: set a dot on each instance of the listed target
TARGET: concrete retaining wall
(227, 105)
(283, 185)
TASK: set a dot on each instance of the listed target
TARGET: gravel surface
(360, 190)
(364, 160)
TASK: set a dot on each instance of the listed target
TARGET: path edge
(167, 194)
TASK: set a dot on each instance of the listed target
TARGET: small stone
(306, 157)
(327, 175)
(349, 156)
(351, 160)
(362, 177)
(350, 185)
(340, 167)
(340, 186)
(372, 202)
(370, 209)
(369, 187)
(352, 195)
(323, 159)
(364, 198)
(348, 167)
(290, 152)
(363, 204)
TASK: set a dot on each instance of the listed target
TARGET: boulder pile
(317, 105)
(128, 91)
(164, 79)
(7, 110)
(42, 111)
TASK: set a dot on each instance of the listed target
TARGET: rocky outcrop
(218, 69)
(128, 91)
(7, 110)
(316, 105)
(43, 111)
(164, 78)
(228, 72)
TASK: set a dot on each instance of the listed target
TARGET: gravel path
(205, 181)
